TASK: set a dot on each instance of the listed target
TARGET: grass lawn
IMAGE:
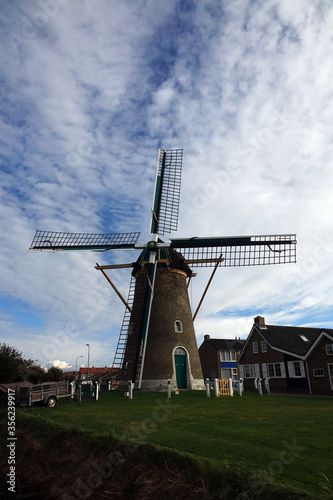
(290, 437)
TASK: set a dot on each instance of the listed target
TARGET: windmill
(157, 339)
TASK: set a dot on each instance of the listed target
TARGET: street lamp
(88, 360)
(76, 366)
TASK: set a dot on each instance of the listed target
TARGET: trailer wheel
(51, 402)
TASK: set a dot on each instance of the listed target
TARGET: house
(295, 359)
(219, 357)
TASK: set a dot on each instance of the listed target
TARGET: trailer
(47, 394)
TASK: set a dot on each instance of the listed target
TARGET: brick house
(295, 359)
(218, 357)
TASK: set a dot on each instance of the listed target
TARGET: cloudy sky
(91, 90)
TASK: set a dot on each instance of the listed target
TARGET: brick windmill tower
(157, 339)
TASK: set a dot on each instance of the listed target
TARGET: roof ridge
(303, 327)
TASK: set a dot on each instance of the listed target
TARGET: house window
(178, 326)
(225, 356)
(228, 355)
(249, 371)
(230, 373)
(255, 347)
(274, 370)
(296, 369)
(263, 346)
(318, 372)
(329, 349)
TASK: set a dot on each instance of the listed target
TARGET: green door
(180, 364)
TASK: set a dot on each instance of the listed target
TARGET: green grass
(290, 438)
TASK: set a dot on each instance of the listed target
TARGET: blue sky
(91, 90)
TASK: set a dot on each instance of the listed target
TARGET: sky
(89, 93)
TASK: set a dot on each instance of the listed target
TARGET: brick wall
(210, 360)
(320, 360)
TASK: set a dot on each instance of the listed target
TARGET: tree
(13, 367)
(54, 374)
(36, 375)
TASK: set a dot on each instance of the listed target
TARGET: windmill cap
(168, 258)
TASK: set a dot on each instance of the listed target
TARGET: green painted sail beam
(226, 241)
(157, 193)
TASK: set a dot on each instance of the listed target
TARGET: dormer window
(178, 326)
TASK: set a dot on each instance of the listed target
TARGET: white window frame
(263, 346)
(255, 348)
(251, 371)
(329, 349)
(291, 369)
(228, 355)
(277, 371)
(178, 326)
(225, 355)
(318, 370)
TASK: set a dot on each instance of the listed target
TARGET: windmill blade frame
(165, 208)
(58, 241)
(238, 251)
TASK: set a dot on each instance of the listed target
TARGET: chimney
(260, 321)
(207, 337)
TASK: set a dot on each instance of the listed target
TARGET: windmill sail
(165, 207)
(237, 251)
(55, 241)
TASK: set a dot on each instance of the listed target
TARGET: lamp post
(76, 366)
(88, 360)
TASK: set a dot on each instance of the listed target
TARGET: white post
(207, 388)
(169, 388)
(96, 390)
(241, 387)
(268, 389)
(130, 389)
(259, 387)
(216, 387)
(256, 383)
(231, 388)
(109, 385)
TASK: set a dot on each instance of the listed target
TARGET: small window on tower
(178, 326)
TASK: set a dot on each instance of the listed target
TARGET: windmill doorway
(181, 368)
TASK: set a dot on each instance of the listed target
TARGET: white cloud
(92, 92)
(63, 365)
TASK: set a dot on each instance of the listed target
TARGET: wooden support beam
(208, 284)
(193, 275)
(202, 261)
(113, 266)
(100, 268)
